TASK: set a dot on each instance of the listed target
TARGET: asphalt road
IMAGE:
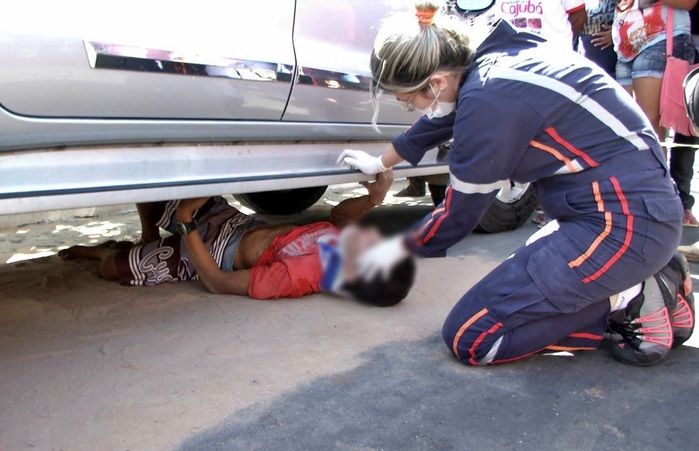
(86, 364)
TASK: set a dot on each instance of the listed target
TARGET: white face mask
(441, 109)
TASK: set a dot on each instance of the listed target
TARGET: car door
(333, 42)
(146, 59)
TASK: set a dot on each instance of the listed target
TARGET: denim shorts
(651, 61)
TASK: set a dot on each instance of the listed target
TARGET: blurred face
(354, 241)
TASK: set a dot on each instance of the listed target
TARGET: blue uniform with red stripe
(560, 122)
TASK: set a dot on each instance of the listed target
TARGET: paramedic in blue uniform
(518, 112)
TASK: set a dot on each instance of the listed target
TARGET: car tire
(282, 202)
(501, 216)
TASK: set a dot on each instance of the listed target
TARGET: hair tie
(425, 16)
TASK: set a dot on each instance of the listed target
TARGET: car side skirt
(54, 179)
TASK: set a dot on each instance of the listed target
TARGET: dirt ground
(88, 364)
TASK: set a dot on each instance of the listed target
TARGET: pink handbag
(673, 111)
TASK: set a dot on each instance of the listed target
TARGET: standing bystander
(600, 16)
(639, 33)
(557, 21)
(682, 157)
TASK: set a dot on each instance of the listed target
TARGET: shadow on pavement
(413, 395)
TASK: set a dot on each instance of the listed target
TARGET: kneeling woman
(517, 112)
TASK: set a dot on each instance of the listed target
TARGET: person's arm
(352, 210)
(410, 146)
(210, 275)
(422, 136)
(577, 16)
(451, 221)
(482, 160)
(391, 157)
(680, 4)
(577, 20)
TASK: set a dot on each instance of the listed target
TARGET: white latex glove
(381, 258)
(358, 159)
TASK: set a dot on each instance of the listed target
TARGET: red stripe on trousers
(627, 239)
(469, 322)
(512, 359)
(586, 336)
(427, 223)
(435, 227)
(479, 340)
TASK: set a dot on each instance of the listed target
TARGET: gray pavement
(412, 395)
(87, 364)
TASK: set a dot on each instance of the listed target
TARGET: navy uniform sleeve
(491, 134)
(422, 136)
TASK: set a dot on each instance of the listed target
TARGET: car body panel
(140, 101)
(80, 177)
(47, 71)
(21, 132)
(333, 41)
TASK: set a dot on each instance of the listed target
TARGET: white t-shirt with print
(546, 18)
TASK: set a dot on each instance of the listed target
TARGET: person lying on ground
(232, 253)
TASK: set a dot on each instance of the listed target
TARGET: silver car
(132, 101)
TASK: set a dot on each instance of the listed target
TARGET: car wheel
(282, 202)
(510, 209)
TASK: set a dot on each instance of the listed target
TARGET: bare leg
(103, 252)
(149, 213)
(647, 92)
(92, 252)
(108, 268)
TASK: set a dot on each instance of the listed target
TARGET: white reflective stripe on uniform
(491, 354)
(594, 108)
(477, 188)
(546, 230)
